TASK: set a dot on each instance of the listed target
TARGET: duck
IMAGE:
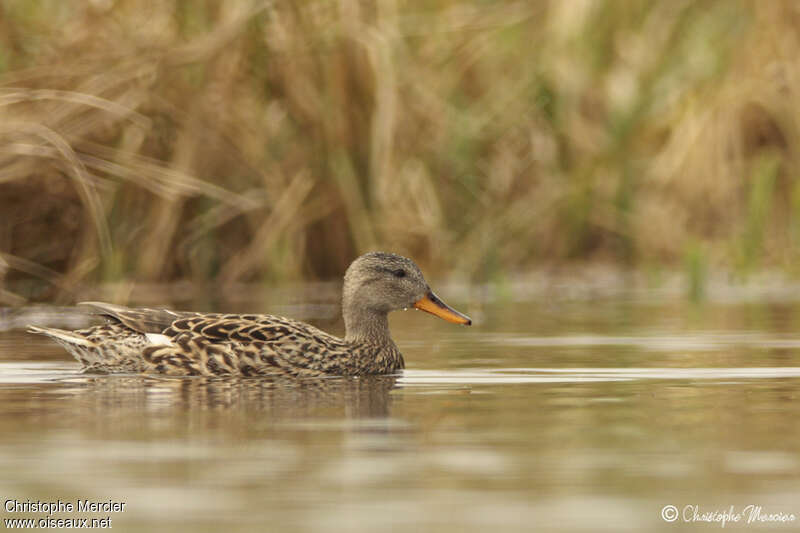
(185, 343)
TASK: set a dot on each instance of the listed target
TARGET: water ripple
(41, 372)
(412, 378)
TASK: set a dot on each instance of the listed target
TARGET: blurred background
(264, 142)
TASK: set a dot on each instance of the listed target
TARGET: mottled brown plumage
(159, 341)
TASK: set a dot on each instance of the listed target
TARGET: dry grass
(241, 141)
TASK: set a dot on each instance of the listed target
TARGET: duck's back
(248, 345)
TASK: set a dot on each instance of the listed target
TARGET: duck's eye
(399, 273)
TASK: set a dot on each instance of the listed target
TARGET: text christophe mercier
(50, 508)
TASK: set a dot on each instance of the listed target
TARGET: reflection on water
(561, 418)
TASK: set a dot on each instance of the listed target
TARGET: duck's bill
(433, 305)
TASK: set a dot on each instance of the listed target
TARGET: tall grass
(245, 140)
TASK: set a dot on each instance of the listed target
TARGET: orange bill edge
(432, 304)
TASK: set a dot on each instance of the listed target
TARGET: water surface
(574, 415)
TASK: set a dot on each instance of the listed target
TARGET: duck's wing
(225, 344)
(140, 319)
(248, 329)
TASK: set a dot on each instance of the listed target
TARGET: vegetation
(250, 141)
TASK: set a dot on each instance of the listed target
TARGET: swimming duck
(160, 341)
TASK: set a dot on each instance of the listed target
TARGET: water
(576, 415)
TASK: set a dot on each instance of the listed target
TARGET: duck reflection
(280, 398)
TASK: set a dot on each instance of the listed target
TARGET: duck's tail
(83, 349)
(107, 348)
(62, 336)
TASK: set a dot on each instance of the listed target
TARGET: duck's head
(380, 282)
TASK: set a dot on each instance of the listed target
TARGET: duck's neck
(366, 325)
